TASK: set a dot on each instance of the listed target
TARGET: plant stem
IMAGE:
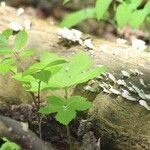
(66, 93)
(67, 127)
(38, 107)
(69, 138)
(39, 95)
(40, 126)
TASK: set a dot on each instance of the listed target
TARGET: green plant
(125, 12)
(8, 145)
(71, 74)
(50, 73)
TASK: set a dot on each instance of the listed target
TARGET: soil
(52, 131)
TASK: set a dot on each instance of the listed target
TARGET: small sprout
(121, 82)
(27, 24)
(138, 44)
(88, 43)
(144, 104)
(142, 83)
(125, 73)
(3, 4)
(127, 96)
(114, 91)
(15, 26)
(20, 11)
(110, 76)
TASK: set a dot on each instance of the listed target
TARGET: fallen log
(15, 131)
(126, 125)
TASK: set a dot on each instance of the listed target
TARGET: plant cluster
(8, 145)
(125, 12)
(49, 73)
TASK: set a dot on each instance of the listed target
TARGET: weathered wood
(110, 116)
(14, 131)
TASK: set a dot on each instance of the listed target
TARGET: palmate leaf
(76, 71)
(78, 16)
(65, 109)
(21, 40)
(55, 104)
(79, 103)
(65, 116)
(101, 7)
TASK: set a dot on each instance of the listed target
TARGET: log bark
(124, 124)
(14, 131)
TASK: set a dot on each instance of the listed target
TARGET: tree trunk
(124, 124)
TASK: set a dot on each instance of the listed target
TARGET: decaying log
(14, 131)
(124, 124)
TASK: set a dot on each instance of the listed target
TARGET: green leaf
(43, 75)
(23, 79)
(21, 40)
(75, 72)
(27, 53)
(123, 14)
(8, 145)
(3, 40)
(48, 57)
(101, 8)
(7, 33)
(55, 104)
(4, 68)
(65, 116)
(137, 18)
(5, 50)
(77, 17)
(8, 61)
(55, 100)
(147, 7)
(43, 66)
(79, 103)
(135, 3)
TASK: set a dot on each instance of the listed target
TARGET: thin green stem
(67, 127)
(38, 107)
(39, 95)
(69, 138)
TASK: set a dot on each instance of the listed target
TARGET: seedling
(71, 74)
(51, 72)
